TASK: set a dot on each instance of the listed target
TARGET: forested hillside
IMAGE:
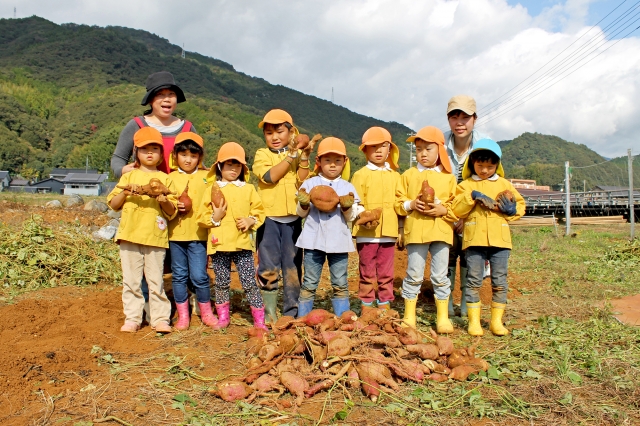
(66, 91)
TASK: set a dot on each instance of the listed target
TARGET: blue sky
(597, 9)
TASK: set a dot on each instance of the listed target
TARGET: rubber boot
(452, 278)
(340, 305)
(384, 305)
(304, 307)
(206, 314)
(258, 318)
(463, 289)
(443, 325)
(270, 299)
(409, 319)
(497, 327)
(183, 316)
(474, 309)
(223, 316)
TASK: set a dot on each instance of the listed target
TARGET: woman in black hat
(163, 95)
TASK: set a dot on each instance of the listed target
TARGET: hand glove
(506, 205)
(346, 201)
(303, 198)
(483, 199)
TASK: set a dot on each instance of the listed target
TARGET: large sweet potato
(340, 346)
(424, 350)
(295, 384)
(461, 372)
(217, 197)
(231, 390)
(427, 194)
(378, 372)
(324, 198)
(369, 219)
(445, 344)
(185, 200)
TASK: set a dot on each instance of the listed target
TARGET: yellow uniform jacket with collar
(377, 188)
(279, 199)
(483, 227)
(419, 228)
(185, 227)
(242, 201)
(143, 221)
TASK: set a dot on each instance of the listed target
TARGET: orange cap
(276, 116)
(333, 145)
(231, 151)
(434, 135)
(377, 135)
(189, 136)
(146, 136)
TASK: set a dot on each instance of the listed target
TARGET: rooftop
(85, 178)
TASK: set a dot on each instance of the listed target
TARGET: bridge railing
(619, 198)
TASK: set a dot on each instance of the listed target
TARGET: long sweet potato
(348, 317)
(217, 197)
(424, 350)
(408, 335)
(315, 317)
(265, 383)
(295, 384)
(377, 372)
(445, 344)
(438, 377)
(340, 346)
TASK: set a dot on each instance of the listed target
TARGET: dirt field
(67, 363)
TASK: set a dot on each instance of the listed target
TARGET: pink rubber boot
(223, 316)
(183, 316)
(258, 318)
(206, 314)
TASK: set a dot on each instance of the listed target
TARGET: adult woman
(163, 95)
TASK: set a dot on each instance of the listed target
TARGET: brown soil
(627, 309)
(15, 213)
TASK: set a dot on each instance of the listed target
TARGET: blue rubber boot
(340, 306)
(304, 307)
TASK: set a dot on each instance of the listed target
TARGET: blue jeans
(313, 263)
(416, 261)
(189, 262)
(499, 260)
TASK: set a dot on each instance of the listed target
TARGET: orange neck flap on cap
(434, 135)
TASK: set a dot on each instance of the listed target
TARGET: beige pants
(137, 260)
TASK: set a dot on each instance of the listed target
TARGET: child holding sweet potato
(231, 210)
(376, 226)
(424, 196)
(328, 202)
(146, 198)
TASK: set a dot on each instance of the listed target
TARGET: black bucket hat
(161, 80)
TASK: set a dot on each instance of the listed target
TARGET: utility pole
(632, 204)
(182, 50)
(14, 13)
(584, 185)
(332, 95)
(86, 167)
(567, 207)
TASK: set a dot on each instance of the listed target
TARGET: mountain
(67, 90)
(542, 157)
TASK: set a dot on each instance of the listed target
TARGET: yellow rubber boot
(443, 325)
(409, 319)
(496, 327)
(473, 313)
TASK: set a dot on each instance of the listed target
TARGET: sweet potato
(370, 315)
(156, 188)
(253, 363)
(378, 372)
(371, 327)
(427, 194)
(301, 141)
(315, 317)
(407, 369)
(389, 341)
(217, 197)
(340, 346)
(445, 344)
(348, 317)
(353, 379)
(295, 384)
(423, 350)
(329, 324)
(461, 372)
(436, 367)
(370, 387)
(265, 383)
(254, 344)
(257, 332)
(438, 377)
(478, 363)
(357, 325)
(288, 342)
(231, 390)
(324, 198)
(185, 199)
(408, 335)
(369, 219)
(326, 336)
(269, 351)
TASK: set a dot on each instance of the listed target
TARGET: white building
(5, 180)
(84, 183)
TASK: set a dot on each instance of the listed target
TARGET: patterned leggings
(246, 270)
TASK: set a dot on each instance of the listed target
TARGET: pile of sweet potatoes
(320, 351)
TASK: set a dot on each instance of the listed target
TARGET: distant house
(5, 180)
(84, 183)
(528, 184)
(615, 191)
(18, 185)
(60, 173)
(53, 186)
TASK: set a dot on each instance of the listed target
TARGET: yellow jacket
(143, 221)
(419, 228)
(242, 201)
(376, 189)
(279, 199)
(185, 227)
(482, 227)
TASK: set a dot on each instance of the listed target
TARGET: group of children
(470, 198)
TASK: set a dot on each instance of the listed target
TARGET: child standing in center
(326, 236)
(230, 224)
(376, 183)
(143, 234)
(428, 227)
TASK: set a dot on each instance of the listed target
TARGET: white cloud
(399, 60)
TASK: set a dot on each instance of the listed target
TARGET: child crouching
(325, 235)
(230, 224)
(482, 201)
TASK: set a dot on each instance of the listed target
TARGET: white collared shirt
(372, 166)
(236, 182)
(492, 178)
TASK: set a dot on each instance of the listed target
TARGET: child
(461, 114)
(428, 227)
(188, 241)
(230, 225)
(280, 169)
(376, 183)
(143, 234)
(326, 236)
(486, 229)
